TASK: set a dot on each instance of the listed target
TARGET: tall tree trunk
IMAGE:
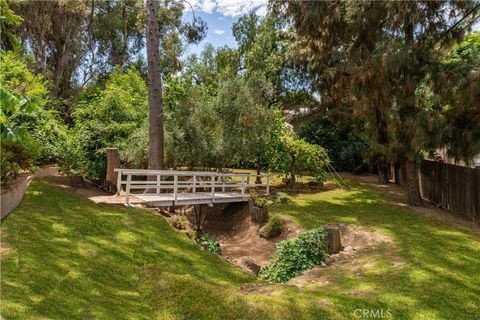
(412, 184)
(382, 139)
(397, 170)
(155, 103)
(382, 172)
(407, 114)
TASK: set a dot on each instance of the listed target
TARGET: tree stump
(113, 161)
(259, 215)
(334, 240)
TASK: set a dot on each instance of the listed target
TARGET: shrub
(293, 256)
(17, 155)
(209, 243)
(346, 146)
(261, 202)
(281, 197)
(18, 150)
(273, 228)
(72, 159)
(32, 110)
(108, 117)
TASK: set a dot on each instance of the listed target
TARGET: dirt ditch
(240, 242)
(232, 225)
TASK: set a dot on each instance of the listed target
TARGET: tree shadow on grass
(440, 274)
(71, 258)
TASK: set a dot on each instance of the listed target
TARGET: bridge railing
(187, 182)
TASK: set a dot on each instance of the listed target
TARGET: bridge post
(159, 178)
(175, 188)
(213, 187)
(127, 189)
(268, 184)
(243, 187)
(119, 182)
(194, 189)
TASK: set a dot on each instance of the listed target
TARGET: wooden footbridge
(169, 188)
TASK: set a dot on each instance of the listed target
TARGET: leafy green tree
(372, 56)
(8, 20)
(246, 119)
(55, 33)
(18, 150)
(108, 117)
(294, 156)
(455, 94)
(345, 144)
(263, 48)
(43, 125)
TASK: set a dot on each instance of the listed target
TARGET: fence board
(452, 187)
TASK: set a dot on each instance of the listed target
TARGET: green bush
(107, 117)
(273, 228)
(16, 156)
(281, 197)
(293, 256)
(346, 146)
(32, 111)
(18, 150)
(71, 160)
(209, 243)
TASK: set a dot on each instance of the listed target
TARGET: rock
(251, 265)
(323, 264)
(348, 249)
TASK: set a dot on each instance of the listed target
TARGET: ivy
(293, 256)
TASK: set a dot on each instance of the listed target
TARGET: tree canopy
(348, 84)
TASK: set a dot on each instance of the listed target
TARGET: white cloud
(218, 31)
(261, 11)
(230, 8)
(208, 5)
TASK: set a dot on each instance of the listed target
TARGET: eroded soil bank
(232, 225)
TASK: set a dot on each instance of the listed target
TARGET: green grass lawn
(65, 257)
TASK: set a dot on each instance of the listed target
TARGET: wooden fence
(452, 187)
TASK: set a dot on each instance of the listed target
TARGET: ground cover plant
(272, 228)
(209, 243)
(293, 256)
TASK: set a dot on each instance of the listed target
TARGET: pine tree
(371, 56)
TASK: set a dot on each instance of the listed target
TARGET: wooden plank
(455, 188)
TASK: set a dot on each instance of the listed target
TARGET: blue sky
(219, 30)
(220, 16)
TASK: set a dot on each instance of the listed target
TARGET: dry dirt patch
(233, 227)
(359, 244)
